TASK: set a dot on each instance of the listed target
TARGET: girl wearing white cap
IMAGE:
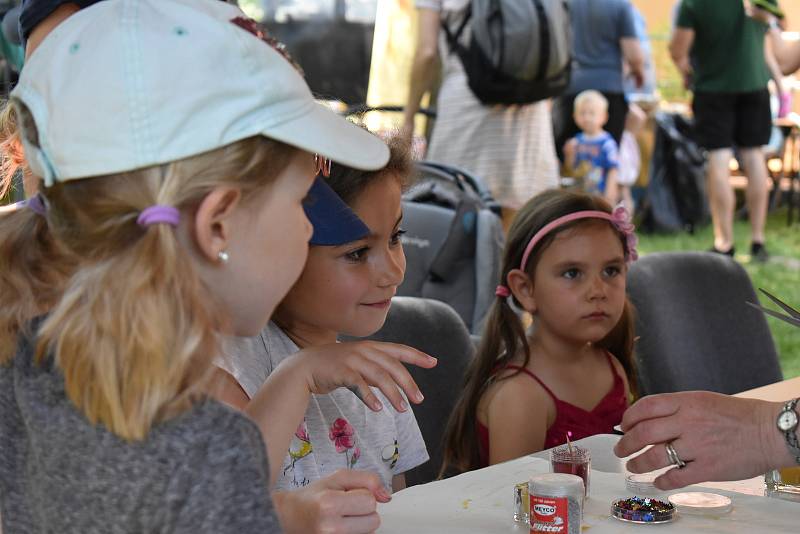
(175, 152)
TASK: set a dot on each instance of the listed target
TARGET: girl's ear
(213, 221)
(521, 286)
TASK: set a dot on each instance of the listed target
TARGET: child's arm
(517, 417)
(281, 402)
(570, 153)
(612, 186)
(398, 482)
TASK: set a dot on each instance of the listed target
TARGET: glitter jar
(556, 503)
(572, 460)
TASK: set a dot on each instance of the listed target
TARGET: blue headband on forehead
(333, 220)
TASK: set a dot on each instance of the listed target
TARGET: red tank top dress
(570, 418)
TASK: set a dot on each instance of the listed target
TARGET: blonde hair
(135, 328)
(33, 265)
(588, 97)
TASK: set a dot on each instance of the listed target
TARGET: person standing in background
(604, 45)
(510, 147)
(728, 74)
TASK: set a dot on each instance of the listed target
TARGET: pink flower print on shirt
(342, 434)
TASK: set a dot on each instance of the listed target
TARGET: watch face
(787, 420)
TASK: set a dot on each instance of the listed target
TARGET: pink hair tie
(502, 291)
(619, 218)
(159, 214)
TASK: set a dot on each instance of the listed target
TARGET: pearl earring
(223, 256)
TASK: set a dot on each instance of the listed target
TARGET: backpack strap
(544, 40)
(452, 38)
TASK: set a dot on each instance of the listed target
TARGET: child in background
(172, 213)
(565, 263)
(630, 158)
(354, 266)
(592, 155)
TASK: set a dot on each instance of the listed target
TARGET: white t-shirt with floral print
(338, 430)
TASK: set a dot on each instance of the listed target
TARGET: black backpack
(676, 195)
(519, 51)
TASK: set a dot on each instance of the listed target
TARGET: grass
(780, 275)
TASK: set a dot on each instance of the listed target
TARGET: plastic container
(556, 503)
(574, 461)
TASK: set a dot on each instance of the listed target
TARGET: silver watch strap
(791, 435)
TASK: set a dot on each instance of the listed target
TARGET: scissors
(793, 316)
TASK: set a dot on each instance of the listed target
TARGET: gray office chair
(695, 330)
(436, 329)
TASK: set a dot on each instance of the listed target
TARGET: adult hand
(344, 502)
(358, 364)
(757, 13)
(719, 437)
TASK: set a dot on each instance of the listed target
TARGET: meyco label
(549, 514)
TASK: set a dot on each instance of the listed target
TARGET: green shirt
(728, 50)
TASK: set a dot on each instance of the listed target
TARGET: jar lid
(641, 484)
(556, 484)
(698, 502)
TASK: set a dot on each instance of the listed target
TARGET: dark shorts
(727, 120)
(564, 127)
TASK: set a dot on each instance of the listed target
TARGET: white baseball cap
(126, 84)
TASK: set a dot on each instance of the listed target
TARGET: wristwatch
(787, 423)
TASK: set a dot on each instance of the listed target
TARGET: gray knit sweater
(203, 471)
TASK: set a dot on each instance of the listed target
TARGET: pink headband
(159, 214)
(619, 218)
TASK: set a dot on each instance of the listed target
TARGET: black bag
(676, 195)
(519, 51)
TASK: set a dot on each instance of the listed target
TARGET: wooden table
(777, 392)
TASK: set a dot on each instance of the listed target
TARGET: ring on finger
(673, 457)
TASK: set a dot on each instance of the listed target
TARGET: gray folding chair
(695, 330)
(436, 329)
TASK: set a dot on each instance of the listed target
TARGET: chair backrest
(436, 329)
(453, 242)
(695, 330)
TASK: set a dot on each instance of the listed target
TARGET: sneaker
(730, 252)
(758, 252)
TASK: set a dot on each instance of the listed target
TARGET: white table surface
(481, 501)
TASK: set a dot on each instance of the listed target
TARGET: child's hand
(345, 501)
(357, 365)
(570, 149)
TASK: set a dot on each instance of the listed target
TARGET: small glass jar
(572, 460)
(522, 504)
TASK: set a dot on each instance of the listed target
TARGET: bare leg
(757, 193)
(612, 188)
(627, 198)
(721, 198)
